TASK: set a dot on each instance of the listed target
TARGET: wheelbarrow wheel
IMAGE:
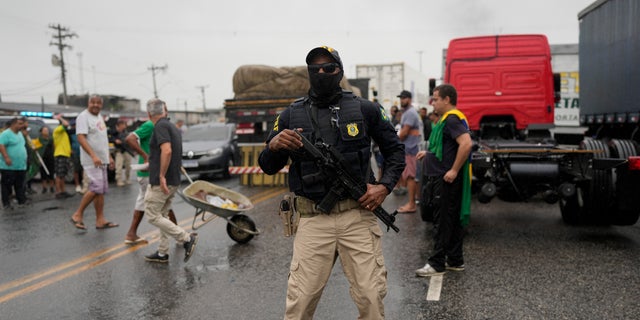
(237, 234)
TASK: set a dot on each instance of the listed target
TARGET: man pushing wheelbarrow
(165, 160)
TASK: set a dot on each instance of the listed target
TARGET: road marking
(89, 261)
(73, 272)
(435, 286)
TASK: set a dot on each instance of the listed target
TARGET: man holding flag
(449, 169)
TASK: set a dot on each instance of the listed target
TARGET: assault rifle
(333, 168)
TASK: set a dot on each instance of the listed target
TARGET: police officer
(350, 231)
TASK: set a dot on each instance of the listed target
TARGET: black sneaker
(190, 246)
(155, 257)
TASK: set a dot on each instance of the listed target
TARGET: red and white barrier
(246, 170)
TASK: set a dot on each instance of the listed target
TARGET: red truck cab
(503, 79)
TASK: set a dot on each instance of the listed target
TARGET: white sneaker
(428, 271)
(78, 189)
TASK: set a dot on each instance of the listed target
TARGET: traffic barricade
(250, 172)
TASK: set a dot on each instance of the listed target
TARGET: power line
(35, 86)
(62, 33)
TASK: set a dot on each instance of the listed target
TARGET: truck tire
(599, 194)
(627, 210)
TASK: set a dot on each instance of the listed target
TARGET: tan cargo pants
(157, 205)
(355, 237)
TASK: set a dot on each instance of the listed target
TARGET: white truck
(386, 81)
(565, 61)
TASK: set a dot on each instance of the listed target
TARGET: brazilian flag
(33, 164)
(435, 146)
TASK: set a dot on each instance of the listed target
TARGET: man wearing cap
(350, 230)
(411, 135)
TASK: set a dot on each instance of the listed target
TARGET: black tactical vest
(345, 129)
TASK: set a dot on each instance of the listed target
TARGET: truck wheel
(625, 217)
(627, 211)
(600, 194)
(623, 148)
(591, 144)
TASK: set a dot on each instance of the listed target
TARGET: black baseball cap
(324, 50)
(404, 94)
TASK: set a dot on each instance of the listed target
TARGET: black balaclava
(325, 88)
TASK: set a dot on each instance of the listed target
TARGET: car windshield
(206, 133)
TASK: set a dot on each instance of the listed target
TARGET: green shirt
(144, 133)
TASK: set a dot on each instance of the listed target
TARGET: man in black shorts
(61, 154)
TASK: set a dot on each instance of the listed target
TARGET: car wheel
(225, 172)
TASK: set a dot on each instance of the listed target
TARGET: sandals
(107, 225)
(78, 224)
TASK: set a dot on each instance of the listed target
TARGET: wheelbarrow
(239, 226)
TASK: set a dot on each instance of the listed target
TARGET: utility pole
(153, 74)
(93, 68)
(61, 34)
(186, 113)
(204, 104)
(81, 73)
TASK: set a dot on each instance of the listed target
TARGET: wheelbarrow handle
(186, 174)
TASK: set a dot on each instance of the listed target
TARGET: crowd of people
(349, 231)
(83, 144)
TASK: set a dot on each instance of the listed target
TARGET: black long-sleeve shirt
(378, 128)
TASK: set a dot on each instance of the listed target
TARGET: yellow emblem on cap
(328, 48)
(352, 129)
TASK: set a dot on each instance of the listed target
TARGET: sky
(203, 42)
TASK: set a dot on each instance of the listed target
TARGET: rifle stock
(342, 179)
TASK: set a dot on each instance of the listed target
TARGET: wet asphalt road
(522, 263)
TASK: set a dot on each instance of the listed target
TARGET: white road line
(435, 286)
